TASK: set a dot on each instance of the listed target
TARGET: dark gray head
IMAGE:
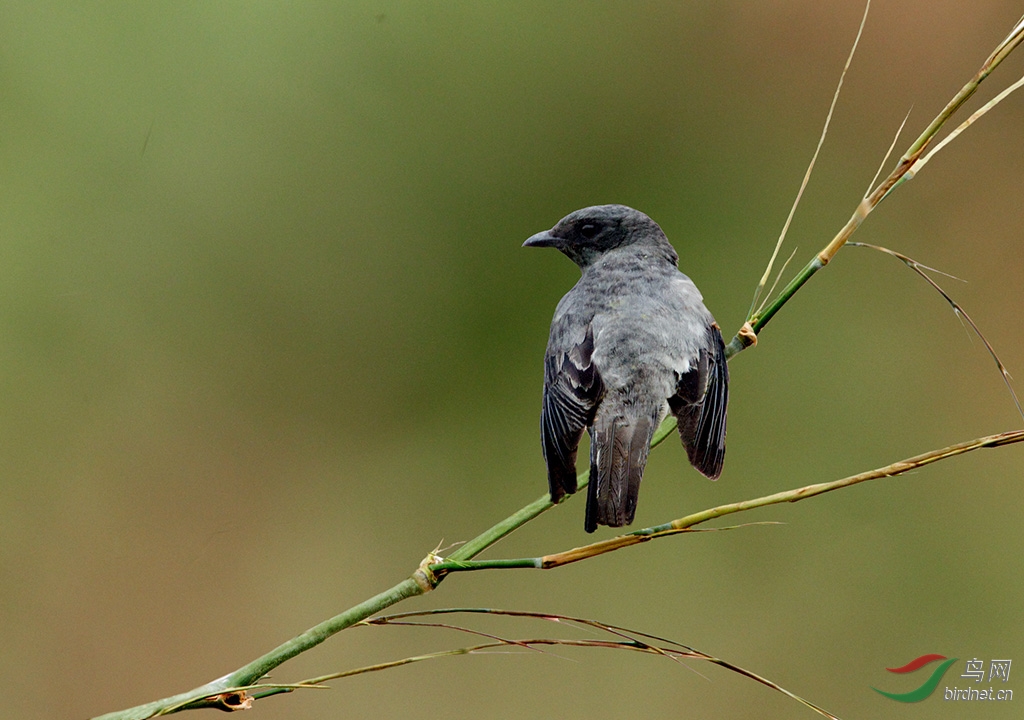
(587, 234)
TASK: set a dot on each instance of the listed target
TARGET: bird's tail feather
(618, 455)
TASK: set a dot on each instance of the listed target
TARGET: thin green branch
(492, 535)
(810, 167)
(686, 524)
(250, 673)
(916, 167)
(1011, 41)
(747, 336)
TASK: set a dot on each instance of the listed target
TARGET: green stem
(443, 568)
(492, 535)
(787, 292)
(757, 321)
(685, 524)
(259, 667)
(250, 673)
(990, 64)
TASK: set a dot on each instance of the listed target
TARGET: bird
(629, 343)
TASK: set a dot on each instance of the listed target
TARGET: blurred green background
(267, 337)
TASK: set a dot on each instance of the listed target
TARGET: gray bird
(631, 342)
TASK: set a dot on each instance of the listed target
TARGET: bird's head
(587, 234)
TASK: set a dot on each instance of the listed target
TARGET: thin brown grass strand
(957, 309)
(808, 172)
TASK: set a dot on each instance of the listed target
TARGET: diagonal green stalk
(251, 672)
(810, 167)
(757, 320)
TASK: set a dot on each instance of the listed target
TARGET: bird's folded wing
(572, 390)
(701, 405)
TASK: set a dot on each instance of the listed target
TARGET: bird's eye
(589, 230)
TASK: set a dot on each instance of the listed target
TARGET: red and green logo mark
(929, 685)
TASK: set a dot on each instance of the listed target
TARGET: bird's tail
(618, 455)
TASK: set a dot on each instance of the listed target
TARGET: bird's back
(648, 319)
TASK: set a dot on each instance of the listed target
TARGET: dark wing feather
(572, 390)
(701, 405)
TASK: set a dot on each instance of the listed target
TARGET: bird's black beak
(543, 239)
